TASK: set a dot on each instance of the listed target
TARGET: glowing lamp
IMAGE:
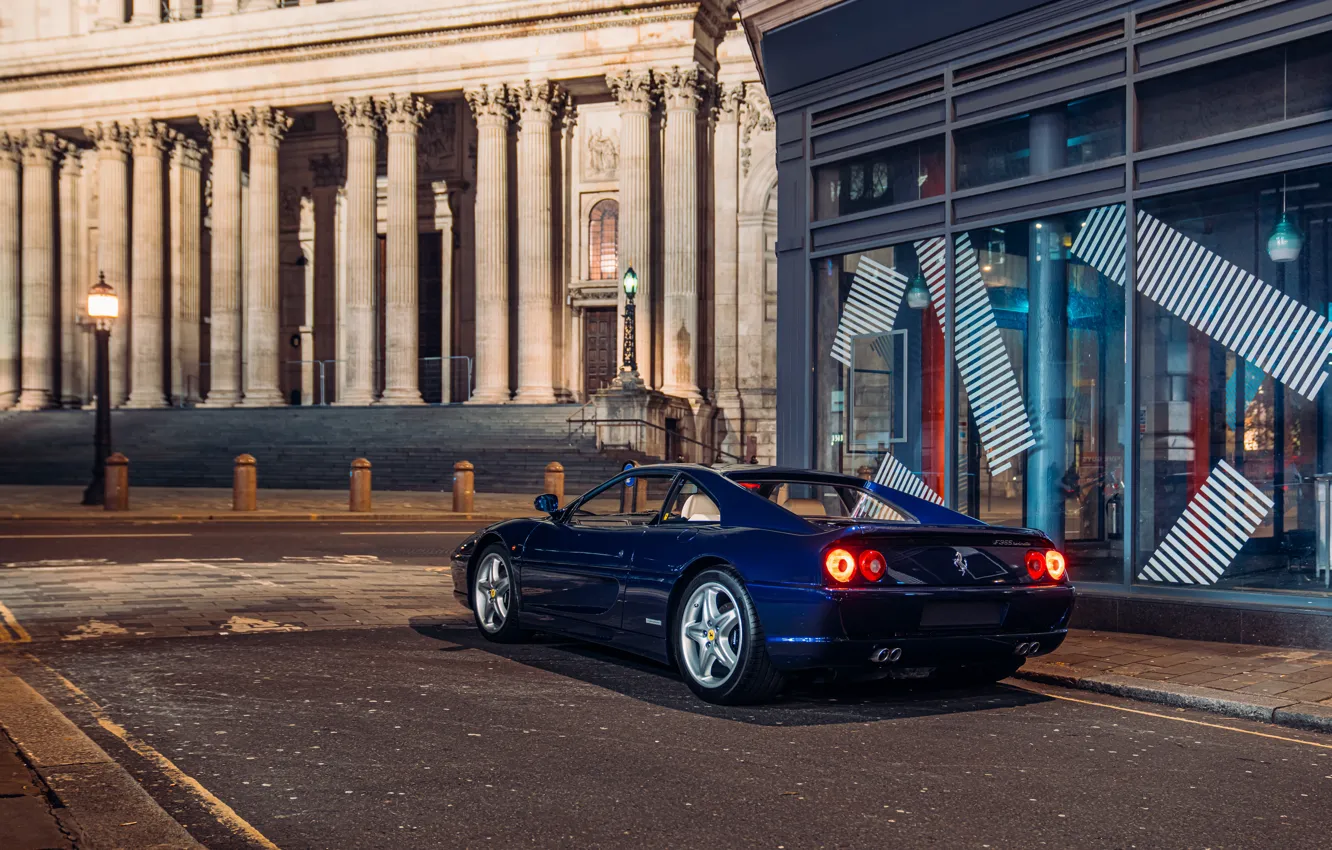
(1284, 245)
(841, 566)
(872, 565)
(918, 295)
(630, 282)
(102, 300)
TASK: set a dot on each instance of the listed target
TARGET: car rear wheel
(494, 595)
(719, 643)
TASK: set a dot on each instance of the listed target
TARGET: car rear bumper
(809, 627)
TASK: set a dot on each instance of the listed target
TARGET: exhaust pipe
(885, 654)
(1022, 649)
(1033, 648)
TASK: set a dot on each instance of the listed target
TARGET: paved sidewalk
(27, 817)
(179, 503)
(1291, 687)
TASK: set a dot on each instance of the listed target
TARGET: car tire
(979, 673)
(718, 642)
(493, 593)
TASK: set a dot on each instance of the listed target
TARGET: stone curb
(1274, 710)
(103, 806)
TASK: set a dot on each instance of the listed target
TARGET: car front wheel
(719, 643)
(494, 596)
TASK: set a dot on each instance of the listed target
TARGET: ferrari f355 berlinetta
(742, 576)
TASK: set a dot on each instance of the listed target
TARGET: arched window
(603, 240)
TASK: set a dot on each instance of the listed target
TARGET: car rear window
(830, 502)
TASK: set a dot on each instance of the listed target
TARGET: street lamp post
(103, 307)
(629, 377)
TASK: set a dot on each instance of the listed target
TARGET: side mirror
(547, 503)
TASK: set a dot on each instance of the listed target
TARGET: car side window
(691, 504)
(624, 502)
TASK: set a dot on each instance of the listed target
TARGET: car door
(685, 530)
(574, 568)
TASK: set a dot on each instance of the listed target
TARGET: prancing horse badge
(961, 563)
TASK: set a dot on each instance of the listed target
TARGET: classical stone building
(359, 203)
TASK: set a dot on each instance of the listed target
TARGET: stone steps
(411, 448)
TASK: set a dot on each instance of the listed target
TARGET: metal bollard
(554, 482)
(244, 480)
(464, 486)
(866, 472)
(1323, 529)
(360, 485)
(116, 495)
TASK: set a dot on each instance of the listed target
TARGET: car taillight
(872, 566)
(841, 566)
(1054, 564)
(1035, 564)
(1045, 562)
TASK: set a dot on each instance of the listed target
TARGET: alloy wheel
(491, 594)
(711, 634)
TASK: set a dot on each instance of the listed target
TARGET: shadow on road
(804, 703)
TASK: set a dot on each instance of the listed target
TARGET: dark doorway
(598, 348)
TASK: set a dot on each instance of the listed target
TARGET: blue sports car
(741, 576)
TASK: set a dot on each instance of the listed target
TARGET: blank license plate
(945, 615)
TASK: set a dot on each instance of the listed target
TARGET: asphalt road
(424, 735)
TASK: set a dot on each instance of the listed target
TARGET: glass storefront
(1231, 293)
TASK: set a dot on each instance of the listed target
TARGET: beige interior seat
(700, 508)
(806, 507)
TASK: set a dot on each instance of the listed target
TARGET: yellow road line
(10, 630)
(225, 814)
(1184, 720)
(81, 536)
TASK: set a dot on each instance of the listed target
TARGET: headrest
(806, 507)
(700, 508)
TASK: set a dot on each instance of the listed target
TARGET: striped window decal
(1207, 537)
(987, 373)
(893, 473)
(1257, 321)
(871, 306)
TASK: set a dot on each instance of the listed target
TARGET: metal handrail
(717, 452)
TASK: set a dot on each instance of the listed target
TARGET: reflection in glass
(1060, 333)
(879, 379)
(1042, 141)
(1258, 88)
(1236, 415)
(880, 179)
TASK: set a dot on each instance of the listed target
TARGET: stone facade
(334, 203)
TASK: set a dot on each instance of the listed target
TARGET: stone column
(726, 185)
(72, 289)
(681, 88)
(226, 132)
(186, 269)
(38, 308)
(11, 148)
(635, 91)
(112, 140)
(492, 106)
(146, 325)
(182, 10)
(146, 12)
(327, 246)
(215, 8)
(444, 224)
(340, 292)
(403, 114)
(360, 117)
(537, 103)
(306, 236)
(265, 128)
(110, 14)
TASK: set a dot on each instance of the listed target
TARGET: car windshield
(827, 501)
